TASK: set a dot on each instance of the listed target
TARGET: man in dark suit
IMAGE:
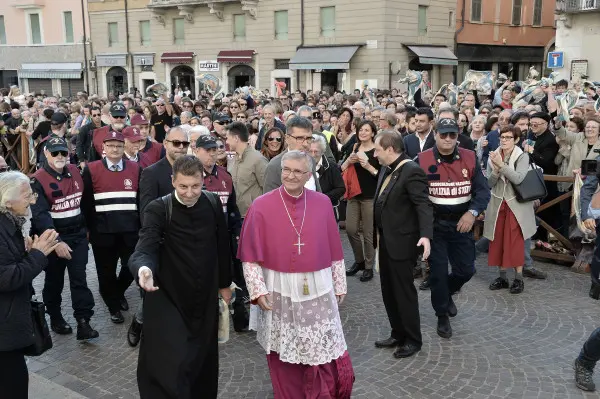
(403, 219)
(423, 138)
(156, 182)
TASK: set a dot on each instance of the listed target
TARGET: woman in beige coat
(508, 222)
(584, 145)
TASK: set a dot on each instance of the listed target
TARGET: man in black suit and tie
(423, 138)
(156, 182)
(403, 218)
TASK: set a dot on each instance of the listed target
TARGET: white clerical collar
(182, 203)
(293, 196)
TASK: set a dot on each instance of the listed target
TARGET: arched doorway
(240, 76)
(183, 76)
(116, 81)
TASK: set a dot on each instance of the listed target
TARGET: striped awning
(236, 56)
(182, 57)
(51, 70)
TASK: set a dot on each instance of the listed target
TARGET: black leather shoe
(425, 285)
(124, 304)
(367, 275)
(387, 343)
(444, 329)
(85, 331)
(355, 268)
(534, 273)
(134, 333)
(499, 284)
(517, 287)
(452, 311)
(595, 290)
(406, 350)
(59, 325)
(117, 317)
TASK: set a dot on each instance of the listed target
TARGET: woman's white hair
(321, 142)
(203, 130)
(10, 187)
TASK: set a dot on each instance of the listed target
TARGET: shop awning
(328, 57)
(185, 57)
(236, 56)
(434, 55)
(51, 70)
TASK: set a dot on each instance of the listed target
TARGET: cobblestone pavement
(504, 346)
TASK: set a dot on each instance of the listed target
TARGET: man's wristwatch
(474, 212)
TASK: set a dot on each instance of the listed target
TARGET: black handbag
(41, 333)
(533, 186)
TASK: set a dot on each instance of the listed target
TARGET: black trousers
(14, 378)
(107, 253)
(400, 296)
(82, 299)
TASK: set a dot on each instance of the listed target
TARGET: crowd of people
(241, 199)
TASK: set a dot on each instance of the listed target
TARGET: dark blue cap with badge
(56, 144)
(58, 118)
(207, 142)
(447, 125)
(222, 118)
(118, 109)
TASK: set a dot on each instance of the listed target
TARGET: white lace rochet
(302, 329)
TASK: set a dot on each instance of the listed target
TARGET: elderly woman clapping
(21, 260)
(508, 222)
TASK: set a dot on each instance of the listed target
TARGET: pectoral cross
(299, 245)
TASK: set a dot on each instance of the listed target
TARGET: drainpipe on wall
(462, 26)
(129, 55)
(301, 42)
(85, 57)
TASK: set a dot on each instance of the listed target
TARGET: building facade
(307, 44)
(504, 36)
(42, 45)
(577, 38)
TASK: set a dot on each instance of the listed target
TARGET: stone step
(43, 388)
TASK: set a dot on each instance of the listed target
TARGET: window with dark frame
(476, 10)
(516, 12)
(282, 64)
(537, 13)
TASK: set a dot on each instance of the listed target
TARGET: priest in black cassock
(182, 264)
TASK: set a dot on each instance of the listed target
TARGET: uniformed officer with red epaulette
(59, 188)
(459, 193)
(151, 149)
(133, 142)
(118, 114)
(110, 204)
(217, 180)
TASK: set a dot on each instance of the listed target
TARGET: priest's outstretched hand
(264, 302)
(146, 280)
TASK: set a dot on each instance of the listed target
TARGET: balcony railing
(575, 6)
(175, 3)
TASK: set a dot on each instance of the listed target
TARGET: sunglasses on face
(4, 169)
(233, 106)
(119, 117)
(221, 146)
(277, 139)
(57, 153)
(241, 117)
(95, 115)
(243, 104)
(187, 106)
(453, 135)
(178, 143)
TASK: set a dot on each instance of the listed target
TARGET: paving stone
(504, 346)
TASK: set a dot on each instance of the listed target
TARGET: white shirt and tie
(115, 167)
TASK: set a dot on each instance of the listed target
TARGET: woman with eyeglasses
(359, 209)
(273, 143)
(508, 222)
(22, 259)
(221, 153)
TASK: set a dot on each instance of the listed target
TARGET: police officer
(459, 193)
(152, 150)
(110, 204)
(59, 188)
(217, 180)
(57, 129)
